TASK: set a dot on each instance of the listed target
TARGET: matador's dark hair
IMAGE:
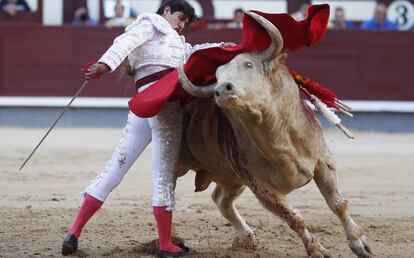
(179, 6)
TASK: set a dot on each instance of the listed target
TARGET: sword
(84, 69)
(53, 125)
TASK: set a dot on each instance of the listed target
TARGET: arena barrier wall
(372, 67)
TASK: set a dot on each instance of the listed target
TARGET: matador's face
(177, 20)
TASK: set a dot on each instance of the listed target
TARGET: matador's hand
(95, 71)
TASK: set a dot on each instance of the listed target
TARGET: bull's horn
(277, 41)
(188, 86)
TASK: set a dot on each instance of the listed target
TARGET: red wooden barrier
(357, 65)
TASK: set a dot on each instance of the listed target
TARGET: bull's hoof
(70, 244)
(321, 252)
(322, 255)
(244, 242)
(361, 247)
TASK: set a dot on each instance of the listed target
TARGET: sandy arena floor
(376, 175)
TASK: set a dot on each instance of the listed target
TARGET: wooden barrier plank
(357, 65)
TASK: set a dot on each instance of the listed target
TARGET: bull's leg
(224, 195)
(325, 178)
(276, 203)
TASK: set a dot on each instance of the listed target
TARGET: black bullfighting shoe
(70, 244)
(185, 250)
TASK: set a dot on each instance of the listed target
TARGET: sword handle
(86, 66)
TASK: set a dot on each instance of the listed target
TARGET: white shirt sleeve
(124, 44)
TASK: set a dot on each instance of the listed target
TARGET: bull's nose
(229, 87)
(217, 93)
(225, 89)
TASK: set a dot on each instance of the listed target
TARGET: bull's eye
(248, 65)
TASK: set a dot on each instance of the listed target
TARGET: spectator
(133, 12)
(237, 22)
(119, 20)
(81, 17)
(302, 13)
(340, 21)
(11, 7)
(379, 22)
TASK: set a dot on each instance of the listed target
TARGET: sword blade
(56, 121)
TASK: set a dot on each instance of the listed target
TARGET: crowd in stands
(339, 22)
(81, 17)
(302, 12)
(120, 19)
(379, 21)
(12, 7)
(123, 19)
(237, 22)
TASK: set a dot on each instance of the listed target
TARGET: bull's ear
(279, 60)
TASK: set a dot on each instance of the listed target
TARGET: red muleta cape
(201, 66)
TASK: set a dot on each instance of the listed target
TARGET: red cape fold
(201, 66)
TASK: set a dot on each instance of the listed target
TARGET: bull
(258, 133)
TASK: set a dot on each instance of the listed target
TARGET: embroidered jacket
(151, 45)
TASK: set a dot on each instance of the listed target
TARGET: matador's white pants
(165, 131)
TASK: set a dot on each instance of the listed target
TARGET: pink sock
(89, 206)
(164, 220)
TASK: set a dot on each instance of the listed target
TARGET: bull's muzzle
(224, 90)
(226, 94)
